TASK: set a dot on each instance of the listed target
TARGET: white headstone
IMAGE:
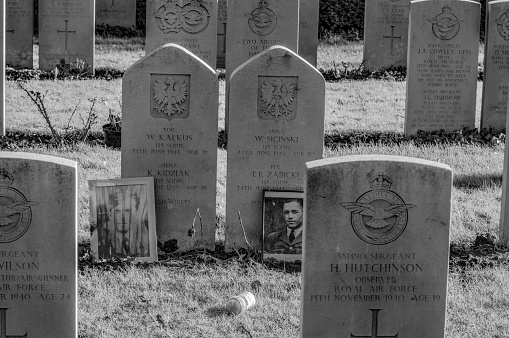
(496, 64)
(19, 33)
(376, 247)
(308, 30)
(38, 253)
(385, 33)
(277, 109)
(442, 65)
(66, 33)
(191, 24)
(169, 131)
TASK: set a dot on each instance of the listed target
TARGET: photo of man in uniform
(288, 239)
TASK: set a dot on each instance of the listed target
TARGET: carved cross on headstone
(392, 37)
(374, 327)
(3, 325)
(9, 31)
(223, 36)
(66, 31)
(112, 3)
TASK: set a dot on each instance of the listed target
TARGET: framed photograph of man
(122, 219)
(283, 215)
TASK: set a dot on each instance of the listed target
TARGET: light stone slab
(169, 131)
(376, 247)
(385, 33)
(496, 66)
(308, 30)
(38, 254)
(442, 65)
(504, 213)
(66, 33)
(2, 69)
(255, 26)
(19, 33)
(116, 12)
(222, 12)
(189, 23)
(277, 109)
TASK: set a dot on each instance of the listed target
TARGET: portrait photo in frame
(283, 216)
(122, 219)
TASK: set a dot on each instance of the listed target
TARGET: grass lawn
(185, 297)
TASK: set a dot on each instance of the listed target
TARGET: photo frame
(277, 240)
(122, 219)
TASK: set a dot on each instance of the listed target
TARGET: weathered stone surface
(169, 131)
(255, 26)
(2, 69)
(442, 65)
(308, 30)
(66, 33)
(496, 63)
(116, 12)
(385, 33)
(277, 108)
(38, 260)
(221, 33)
(19, 33)
(190, 24)
(376, 247)
(504, 213)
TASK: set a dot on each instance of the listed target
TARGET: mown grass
(190, 297)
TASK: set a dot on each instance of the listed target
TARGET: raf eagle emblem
(378, 214)
(170, 95)
(277, 97)
(13, 209)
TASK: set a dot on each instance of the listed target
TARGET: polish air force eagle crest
(277, 98)
(170, 97)
(15, 210)
(379, 216)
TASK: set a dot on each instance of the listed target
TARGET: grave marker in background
(19, 34)
(504, 213)
(116, 12)
(496, 66)
(221, 33)
(442, 65)
(385, 33)
(376, 247)
(188, 23)
(308, 30)
(169, 131)
(38, 198)
(277, 109)
(66, 33)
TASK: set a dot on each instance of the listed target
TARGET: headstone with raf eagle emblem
(442, 65)
(277, 105)
(38, 226)
(169, 131)
(496, 64)
(191, 24)
(376, 247)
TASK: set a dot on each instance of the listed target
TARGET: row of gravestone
(66, 27)
(376, 233)
(438, 41)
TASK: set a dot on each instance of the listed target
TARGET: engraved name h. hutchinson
(15, 211)
(379, 216)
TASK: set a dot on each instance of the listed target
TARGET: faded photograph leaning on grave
(287, 240)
